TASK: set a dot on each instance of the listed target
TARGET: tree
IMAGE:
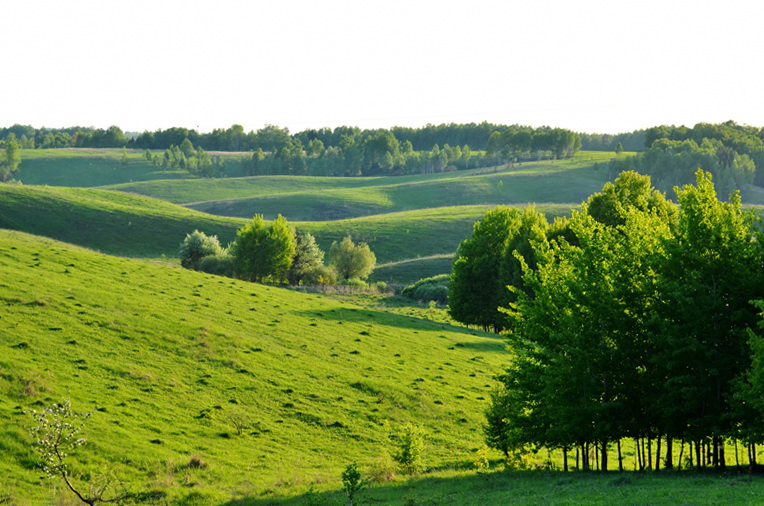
(264, 252)
(12, 158)
(710, 273)
(187, 148)
(475, 287)
(308, 262)
(619, 148)
(123, 159)
(351, 260)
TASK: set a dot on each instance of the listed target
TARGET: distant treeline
(631, 141)
(333, 152)
(732, 153)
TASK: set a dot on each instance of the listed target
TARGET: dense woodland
(635, 318)
(733, 153)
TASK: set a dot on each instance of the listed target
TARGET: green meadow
(166, 358)
(131, 225)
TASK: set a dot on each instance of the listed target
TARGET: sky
(591, 66)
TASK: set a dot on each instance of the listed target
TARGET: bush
(410, 449)
(196, 246)
(221, 265)
(434, 288)
(354, 282)
(352, 482)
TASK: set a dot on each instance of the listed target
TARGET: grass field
(315, 199)
(164, 356)
(87, 167)
(131, 225)
(166, 359)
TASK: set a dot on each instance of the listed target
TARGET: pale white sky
(595, 66)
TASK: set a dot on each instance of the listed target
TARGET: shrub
(353, 482)
(221, 265)
(434, 288)
(196, 246)
(410, 449)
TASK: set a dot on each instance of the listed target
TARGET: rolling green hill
(166, 358)
(314, 199)
(132, 225)
(87, 167)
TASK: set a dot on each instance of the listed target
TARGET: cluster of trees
(672, 163)
(629, 141)
(277, 253)
(733, 153)
(196, 161)
(12, 159)
(632, 319)
(339, 151)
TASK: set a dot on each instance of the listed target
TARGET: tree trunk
(604, 455)
(737, 459)
(722, 455)
(681, 452)
(658, 455)
(578, 468)
(565, 459)
(649, 452)
(669, 453)
(620, 458)
(697, 453)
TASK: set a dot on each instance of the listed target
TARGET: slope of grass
(406, 272)
(113, 222)
(517, 187)
(132, 225)
(87, 167)
(205, 190)
(164, 358)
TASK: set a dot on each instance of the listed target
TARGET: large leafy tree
(475, 289)
(262, 251)
(352, 260)
(709, 275)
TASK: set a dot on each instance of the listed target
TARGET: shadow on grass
(546, 487)
(366, 316)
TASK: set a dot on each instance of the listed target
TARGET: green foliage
(196, 246)
(262, 251)
(12, 158)
(308, 263)
(409, 452)
(353, 482)
(475, 288)
(352, 260)
(635, 328)
(619, 148)
(432, 288)
(220, 264)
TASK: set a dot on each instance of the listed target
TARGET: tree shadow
(367, 316)
(541, 487)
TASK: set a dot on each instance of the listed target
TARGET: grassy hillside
(518, 187)
(132, 225)
(164, 357)
(86, 167)
(112, 222)
(203, 190)
(312, 199)
(406, 272)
